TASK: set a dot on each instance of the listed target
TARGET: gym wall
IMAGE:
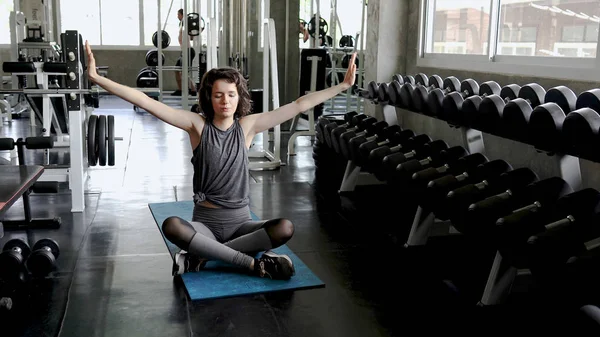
(405, 27)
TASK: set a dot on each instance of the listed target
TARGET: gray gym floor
(113, 274)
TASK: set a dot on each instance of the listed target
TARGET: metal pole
(185, 59)
(159, 44)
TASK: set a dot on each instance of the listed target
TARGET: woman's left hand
(350, 73)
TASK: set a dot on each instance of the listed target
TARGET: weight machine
(319, 29)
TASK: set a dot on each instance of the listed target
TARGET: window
(168, 16)
(547, 38)
(6, 6)
(558, 22)
(349, 15)
(83, 16)
(120, 22)
(462, 23)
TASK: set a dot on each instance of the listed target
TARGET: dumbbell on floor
(42, 259)
(12, 258)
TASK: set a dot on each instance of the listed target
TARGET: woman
(221, 227)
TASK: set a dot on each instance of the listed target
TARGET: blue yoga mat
(219, 279)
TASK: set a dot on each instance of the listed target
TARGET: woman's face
(224, 99)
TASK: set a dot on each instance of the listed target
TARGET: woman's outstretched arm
(266, 120)
(182, 119)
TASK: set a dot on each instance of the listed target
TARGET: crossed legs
(252, 237)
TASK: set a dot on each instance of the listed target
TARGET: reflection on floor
(113, 274)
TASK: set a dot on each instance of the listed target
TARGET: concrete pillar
(386, 46)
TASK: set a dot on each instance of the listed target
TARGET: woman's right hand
(91, 63)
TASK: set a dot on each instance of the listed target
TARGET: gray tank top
(221, 167)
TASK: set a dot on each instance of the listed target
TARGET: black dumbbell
(437, 190)
(483, 214)
(356, 155)
(517, 113)
(361, 124)
(395, 88)
(514, 229)
(370, 130)
(421, 92)
(320, 126)
(391, 163)
(12, 258)
(435, 98)
(422, 178)
(42, 259)
(453, 102)
(569, 230)
(364, 150)
(352, 118)
(493, 107)
(546, 120)
(581, 132)
(404, 140)
(449, 156)
(458, 200)
(407, 89)
(478, 120)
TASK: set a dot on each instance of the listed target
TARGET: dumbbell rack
(502, 273)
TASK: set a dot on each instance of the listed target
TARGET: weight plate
(469, 86)
(18, 243)
(373, 88)
(422, 79)
(489, 88)
(398, 78)
(563, 96)
(111, 140)
(91, 140)
(451, 83)
(434, 101)
(406, 95)
(545, 126)
(581, 129)
(166, 39)
(50, 243)
(515, 117)
(382, 93)
(534, 93)
(510, 92)
(436, 81)
(101, 140)
(394, 92)
(419, 99)
(323, 27)
(589, 99)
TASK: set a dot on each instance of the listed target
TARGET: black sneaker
(184, 262)
(274, 266)
(176, 93)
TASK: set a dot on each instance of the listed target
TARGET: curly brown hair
(230, 75)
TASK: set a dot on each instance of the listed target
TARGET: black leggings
(209, 240)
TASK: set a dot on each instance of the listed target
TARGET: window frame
(569, 68)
